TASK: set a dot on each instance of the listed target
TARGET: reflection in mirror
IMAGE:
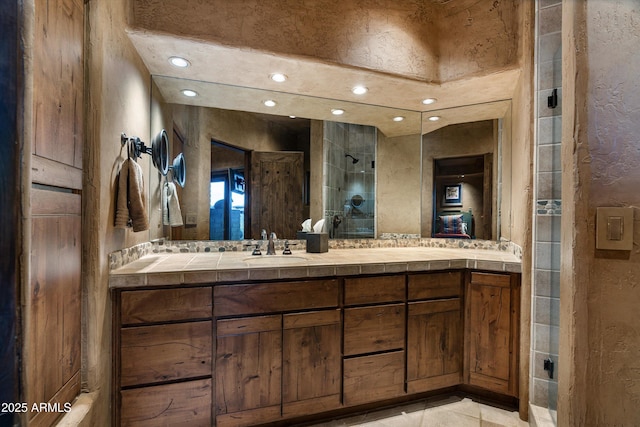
(388, 198)
(349, 190)
(469, 156)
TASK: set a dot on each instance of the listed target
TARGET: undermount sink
(274, 259)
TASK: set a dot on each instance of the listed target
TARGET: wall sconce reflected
(179, 170)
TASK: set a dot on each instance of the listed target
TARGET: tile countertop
(206, 268)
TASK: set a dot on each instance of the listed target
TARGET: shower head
(353, 159)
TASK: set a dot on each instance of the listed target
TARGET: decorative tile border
(552, 207)
(122, 257)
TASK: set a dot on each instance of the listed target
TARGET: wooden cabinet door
(248, 370)
(311, 376)
(176, 404)
(372, 378)
(492, 332)
(434, 345)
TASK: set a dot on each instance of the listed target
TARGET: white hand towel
(171, 214)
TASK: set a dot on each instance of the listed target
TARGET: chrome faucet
(271, 247)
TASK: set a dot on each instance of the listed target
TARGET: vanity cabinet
(434, 331)
(374, 338)
(164, 357)
(274, 358)
(492, 319)
(267, 352)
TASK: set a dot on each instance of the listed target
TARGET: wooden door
(491, 325)
(434, 344)
(53, 301)
(311, 379)
(248, 370)
(276, 193)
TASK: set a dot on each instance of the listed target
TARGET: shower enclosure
(349, 185)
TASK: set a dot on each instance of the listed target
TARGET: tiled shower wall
(546, 286)
(345, 179)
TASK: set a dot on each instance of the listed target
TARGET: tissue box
(301, 235)
(317, 242)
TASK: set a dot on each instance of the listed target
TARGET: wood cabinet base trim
(490, 383)
(311, 406)
(249, 417)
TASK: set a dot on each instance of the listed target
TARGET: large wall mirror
(391, 189)
(368, 173)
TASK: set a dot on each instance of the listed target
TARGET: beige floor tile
(450, 411)
(445, 418)
(465, 406)
(493, 417)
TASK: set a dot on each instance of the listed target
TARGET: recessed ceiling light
(270, 103)
(190, 93)
(429, 101)
(434, 118)
(359, 90)
(337, 111)
(177, 61)
(292, 117)
(278, 77)
(398, 119)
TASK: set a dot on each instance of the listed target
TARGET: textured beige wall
(599, 332)
(520, 213)
(398, 184)
(396, 36)
(466, 139)
(423, 40)
(161, 118)
(117, 101)
(476, 36)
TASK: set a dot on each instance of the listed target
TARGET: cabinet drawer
(151, 354)
(491, 279)
(186, 403)
(371, 290)
(435, 285)
(372, 378)
(233, 300)
(162, 305)
(371, 329)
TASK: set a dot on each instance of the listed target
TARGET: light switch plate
(614, 229)
(191, 219)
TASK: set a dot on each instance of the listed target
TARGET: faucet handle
(256, 250)
(287, 249)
